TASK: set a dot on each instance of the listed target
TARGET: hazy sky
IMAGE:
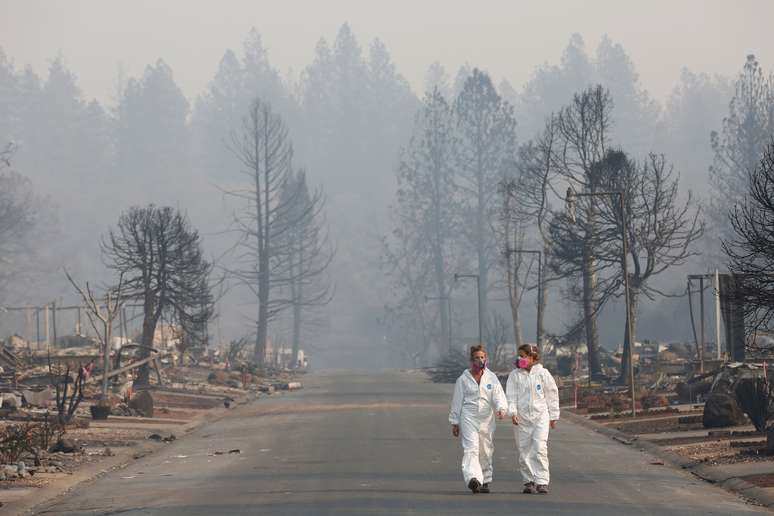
(507, 38)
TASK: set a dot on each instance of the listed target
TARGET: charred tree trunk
(149, 322)
(440, 281)
(262, 234)
(542, 304)
(589, 312)
(298, 297)
(513, 264)
(483, 267)
(516, 326)
(262, 325)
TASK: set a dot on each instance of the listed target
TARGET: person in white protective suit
(477, 396)
(533, 402)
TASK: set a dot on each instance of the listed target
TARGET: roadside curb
(93, 472)
(736, 485)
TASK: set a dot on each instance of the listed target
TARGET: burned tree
(19, 216)
(511, 234)
(101, 318)
(427, 213)
(406, 317)
(739, 145)
(486, 129)
(582, 129)
(160, 257)
(580, 255)
(235, 350)
(268, 259)
(537, 174)
(613, 192)
(751, 250)
(194, 325)
(69, 390)
(302, 255)
(526, 203)
(661, 228)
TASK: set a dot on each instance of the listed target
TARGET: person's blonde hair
(475, 349)
(531, 351)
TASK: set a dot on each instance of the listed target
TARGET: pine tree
(739, 145)
(486, 129)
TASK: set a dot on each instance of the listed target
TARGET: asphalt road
(357, 443)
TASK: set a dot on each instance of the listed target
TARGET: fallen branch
(131, 366)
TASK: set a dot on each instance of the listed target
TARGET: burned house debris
(55, 417)
(692, 398)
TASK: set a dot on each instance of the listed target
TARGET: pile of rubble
(20, 470)
(723, 416)
(32, 398)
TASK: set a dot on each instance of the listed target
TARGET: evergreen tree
(486, 129)
(151, 137)
(697, 103)
(636, 115)
(303, 256)
(426, 219)
(739, 145)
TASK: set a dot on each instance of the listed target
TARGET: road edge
(733, 484)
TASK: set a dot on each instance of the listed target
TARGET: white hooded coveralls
(534, 399)
(473, 408)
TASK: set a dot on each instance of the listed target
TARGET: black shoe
(474, 485)
(529, 488)
(542, 489)
(485, 488)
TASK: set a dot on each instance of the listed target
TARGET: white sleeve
(552, 396)
(456, 404)
(510, 393)
(500, 401)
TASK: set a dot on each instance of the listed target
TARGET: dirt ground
(667, 411)
(765, 480)
(719, 452)
(654, 425)
(712, 446)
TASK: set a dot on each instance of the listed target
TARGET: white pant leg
(523, 434)
(533, 448)
(471, 467)
(486, 435)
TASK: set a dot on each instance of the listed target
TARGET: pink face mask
(478, 365)
(522, 363)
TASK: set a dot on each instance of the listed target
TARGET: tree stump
(142, 402)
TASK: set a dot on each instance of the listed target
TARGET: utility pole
(701, 338)
(702, 346)
(28, 331)
(48, 329)
(717, 314)
(53, 319)
(37, 327)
